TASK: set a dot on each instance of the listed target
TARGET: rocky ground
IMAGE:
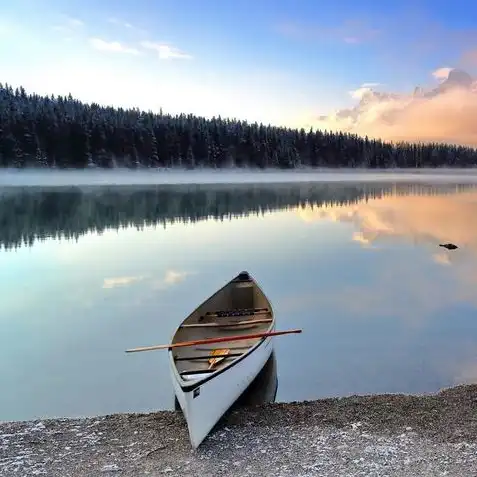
(387, 435)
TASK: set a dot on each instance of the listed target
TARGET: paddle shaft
(213, 340)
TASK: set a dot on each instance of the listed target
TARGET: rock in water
(448, 246)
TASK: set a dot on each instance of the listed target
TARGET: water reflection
(430, 219)
(425, 221)
(356, 266)
(263, 389)
(37, 213)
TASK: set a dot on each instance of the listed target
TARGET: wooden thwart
(207, 356)
(197, 371)
(237, 323)
(238, 312)
(245, 348)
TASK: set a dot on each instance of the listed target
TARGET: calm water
(86, 273)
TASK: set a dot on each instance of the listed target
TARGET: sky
(285, 63)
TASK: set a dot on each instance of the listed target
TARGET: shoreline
(385, 434)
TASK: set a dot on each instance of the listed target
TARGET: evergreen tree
(63, 132)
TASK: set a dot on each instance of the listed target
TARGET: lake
(88, 272)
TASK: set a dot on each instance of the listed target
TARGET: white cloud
(171, 277)
(441, 74)
(116, 21)
(360, 238)
(121, 281)
(164, 51)
(112, 46)
(68, 24)
(442, 258)
(74, 22)
(126, 25)
(362, 91)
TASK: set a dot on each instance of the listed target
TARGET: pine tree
(60, 131)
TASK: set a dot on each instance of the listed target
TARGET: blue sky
(280, 62)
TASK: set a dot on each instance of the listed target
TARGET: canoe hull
(203, 406)
(206, 391)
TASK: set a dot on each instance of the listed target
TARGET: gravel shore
(382, 435)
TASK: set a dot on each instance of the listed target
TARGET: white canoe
(205, 391)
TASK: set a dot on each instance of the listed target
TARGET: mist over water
(57, 178)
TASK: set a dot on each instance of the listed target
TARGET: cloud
(171, 278)
(121, 281)
(442, 258)
(351, 32)
(74, 22)
(71, 22)
(363, 90)
(69, 25)
(126, 25)
(442, 73)
(360, 238)
(112, 46)
(116, 21)
(445, 113)
(164, 51)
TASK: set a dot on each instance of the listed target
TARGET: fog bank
(116, 177)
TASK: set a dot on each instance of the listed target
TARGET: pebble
(386, 436)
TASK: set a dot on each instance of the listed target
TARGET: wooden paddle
(213, 340)
(218, 355)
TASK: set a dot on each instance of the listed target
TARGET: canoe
(208, 379)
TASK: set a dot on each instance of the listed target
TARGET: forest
(61, 132)
(36, 213)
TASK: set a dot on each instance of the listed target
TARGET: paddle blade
(215, 361)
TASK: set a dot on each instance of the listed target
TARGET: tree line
(30, 214)
(62, 132)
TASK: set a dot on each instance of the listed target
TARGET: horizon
(347, 66)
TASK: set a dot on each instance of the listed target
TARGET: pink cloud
(445, 113)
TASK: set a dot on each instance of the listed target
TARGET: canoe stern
(203, 405)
